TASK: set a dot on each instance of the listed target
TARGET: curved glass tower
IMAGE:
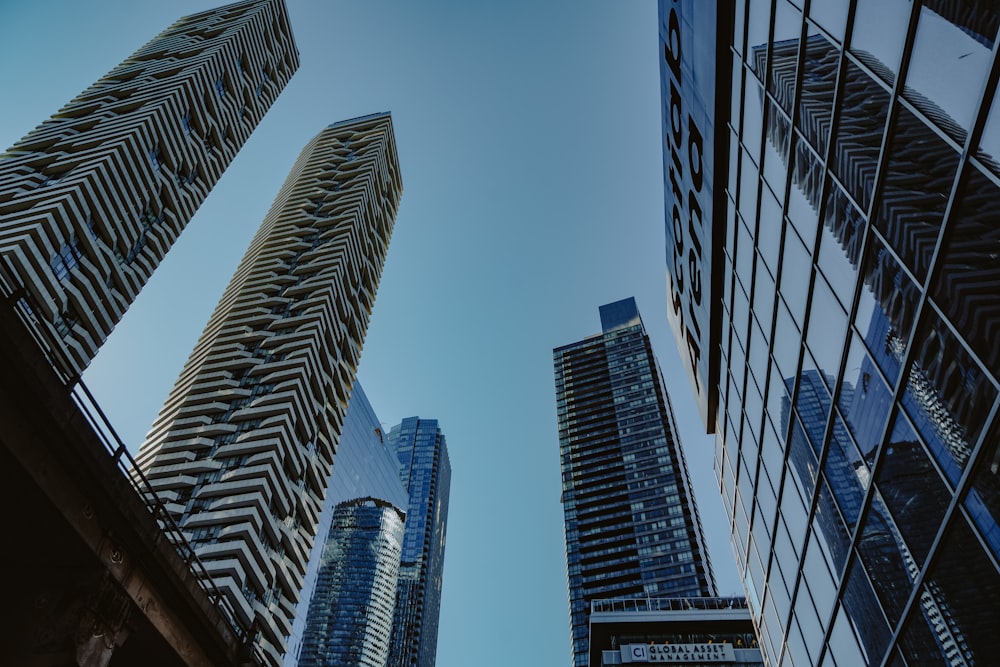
(350, 621)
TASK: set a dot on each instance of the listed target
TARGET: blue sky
(529, 143)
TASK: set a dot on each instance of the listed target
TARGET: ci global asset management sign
(677, 653)
(690, 31)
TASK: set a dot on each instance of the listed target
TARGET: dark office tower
(93, 198)
(632, 527)
(839, 308)
(351, 619)
(365, 467)
(242, 450)
(425, 470)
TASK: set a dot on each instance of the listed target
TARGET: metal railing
(17, 298)
(666, 604)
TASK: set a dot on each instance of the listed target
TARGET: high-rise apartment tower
(632, 527)
(243, 447)
(831, 173)
(425, 470)
(93, 198)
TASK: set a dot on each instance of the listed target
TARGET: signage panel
(677, 653)
(694, 169)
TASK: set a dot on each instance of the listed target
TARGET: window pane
(946, 71)
(966, 289)
(971, 602)
(920, 170)
(863, 109)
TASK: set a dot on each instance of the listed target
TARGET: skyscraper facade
(425, 470)
(366, 468)
(632, 527)
(93, 198)
(831, 171)
(350, 617)
(243, 447)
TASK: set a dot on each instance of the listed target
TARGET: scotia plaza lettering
(687, 74)
(677, 653)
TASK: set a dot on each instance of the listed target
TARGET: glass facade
(349, 623)
(857, 436)
(632, 527)
(364, 467)
(425, 470)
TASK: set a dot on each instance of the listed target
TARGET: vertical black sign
(691, 73)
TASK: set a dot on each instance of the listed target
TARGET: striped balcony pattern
(243, 448)
(94, 197)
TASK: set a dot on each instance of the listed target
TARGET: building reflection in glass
(860, 325)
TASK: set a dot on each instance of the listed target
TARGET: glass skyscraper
(425, 470)
(831, 171)
(350, 616)
(632, 528)
(365, 468)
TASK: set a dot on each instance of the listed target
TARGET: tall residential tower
(243, 447)
(632, 527)
(831, 171)
(93, 198)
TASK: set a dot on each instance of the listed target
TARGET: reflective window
(778, 401)
(989, 143)
(818, 577)
(864, 399)
(739, 25)
(841, 468)
(840, 247)
(804, 198)
(786, 343)
(912, 489)
(827, 327)
(920, 170)
(879, 34)
(753, 117)
(983, 501)
(763, 298)
(892, 314)
(795, 269)
(831, 16)
(779, 131)
(865, 613)
(972, 603)
(946, 65)
(967, 288)
(886, 560)
(758, 29)
(843, 644)
(819, 83)
(787, 36)
(863, 108)
(749, 182)
(809, 625)
(769, 229)
(947, 396)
